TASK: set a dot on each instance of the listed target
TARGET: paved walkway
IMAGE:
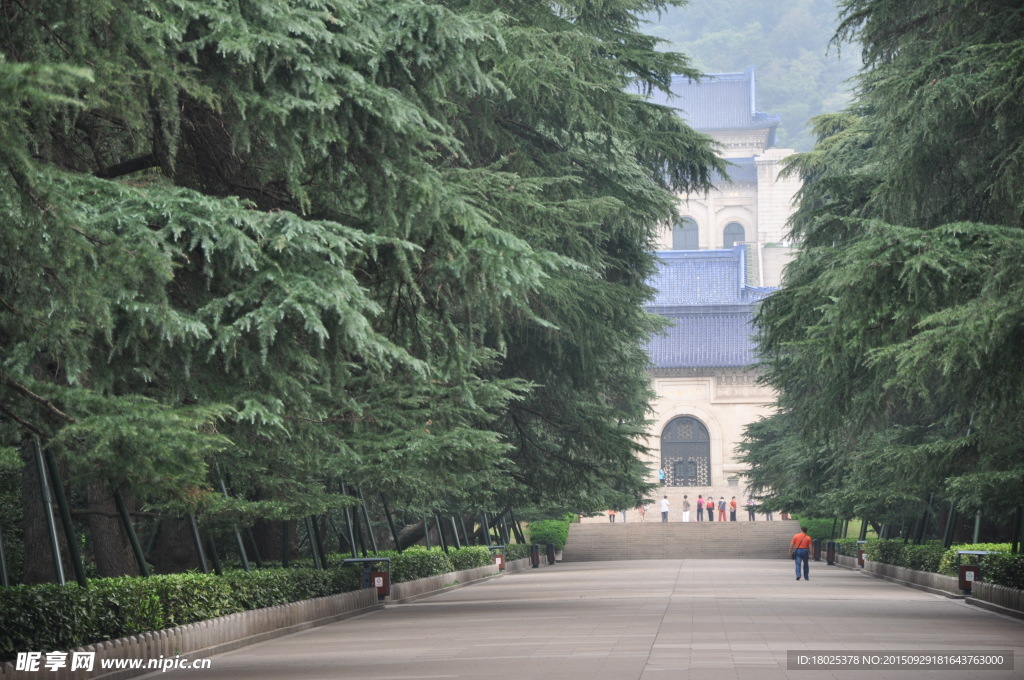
(644, 620)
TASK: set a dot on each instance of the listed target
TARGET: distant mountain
(799, 75)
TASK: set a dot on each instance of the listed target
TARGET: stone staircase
(594, 542)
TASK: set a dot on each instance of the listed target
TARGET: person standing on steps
(686, 509)
(664, 509)
(710, 507)
(800, 550)
(732, 509)
(721, 509)
(700, 507)
(751, 509)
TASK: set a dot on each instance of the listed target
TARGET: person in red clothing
(800, 547)
(721, 509)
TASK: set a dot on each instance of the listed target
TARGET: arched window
(684, 234)
(733, 234)
(686, 452)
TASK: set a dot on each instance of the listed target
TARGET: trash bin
(816, 549)
(967, 574)
(376, 573)
(830, 552)
(498, 555)
(551, 553)
(535, 556)
(381, 583)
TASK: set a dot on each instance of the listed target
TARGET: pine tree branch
(129, 166)
(21, 421)
(26, 392)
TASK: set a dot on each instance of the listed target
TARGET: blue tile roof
(702, 277)
(705, 340)
(704, 295)
(719, 101)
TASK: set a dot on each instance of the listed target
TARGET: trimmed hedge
(470, 557)
(516, 551)
(546, 531)
(1001, 568)
(51, 617)
(48, 616)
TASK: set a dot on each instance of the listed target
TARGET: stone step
(678, 540)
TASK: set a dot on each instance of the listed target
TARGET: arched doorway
(686, 452)
(733, 234)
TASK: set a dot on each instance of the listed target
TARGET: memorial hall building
(722, 258)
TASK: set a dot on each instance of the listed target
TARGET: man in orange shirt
(800, 547)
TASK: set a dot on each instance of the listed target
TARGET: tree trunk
(111, 549)
(174, 551)
(38, 566)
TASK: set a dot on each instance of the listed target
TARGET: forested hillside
(787, 42)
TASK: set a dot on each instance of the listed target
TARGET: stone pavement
(641, 619)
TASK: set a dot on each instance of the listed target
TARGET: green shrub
(848, 546)
(947, 565)
(925, 557)
(470, 557)
(546, 531)
(516, 551)
(820, 528)
(885, 551)
(190, 597)
(52, 617)
(123, 606)
(43, 617)
(1003, 569)
(417, 562)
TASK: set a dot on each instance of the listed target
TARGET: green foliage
(555, 531)
(1004, 569)
(948, 563)
(848, 546)
(52, 617)
(818, 528)
(516, 551)
(417, 562)
(1001, 567)
(190, 597)
(893, 344)
(926, 557)
(396, 242)
(469, 557)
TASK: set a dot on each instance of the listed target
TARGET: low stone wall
(923, 580)
(422, 587)
(213, 636)
(1002, 599)
(847, 561)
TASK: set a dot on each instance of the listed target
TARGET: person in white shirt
(664, 509)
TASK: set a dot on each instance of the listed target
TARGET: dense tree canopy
(395, 242)
(895, 343)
